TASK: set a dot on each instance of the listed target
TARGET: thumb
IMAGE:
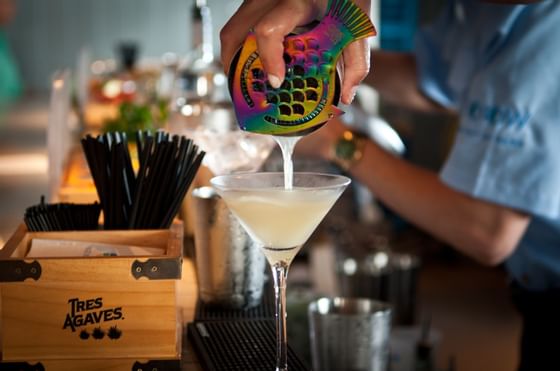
(356, 59)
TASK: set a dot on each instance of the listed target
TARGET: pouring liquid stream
(287, 145)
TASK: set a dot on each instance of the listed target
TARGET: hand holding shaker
(230, 267)
(308, 96)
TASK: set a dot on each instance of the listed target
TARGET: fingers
(356, 63)
(272, 20)
(356, 67)
(271, 30)
(235, 30)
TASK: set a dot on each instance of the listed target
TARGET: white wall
(48, 34)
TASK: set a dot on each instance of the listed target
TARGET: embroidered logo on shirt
(500, 124)
(499, 139)
(498, 115)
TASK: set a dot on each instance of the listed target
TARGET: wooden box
(117, 364)
(95, 308)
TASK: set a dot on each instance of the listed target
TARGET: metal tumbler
(349, 334)
(230, 267)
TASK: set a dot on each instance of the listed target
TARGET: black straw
(62, 217)
(151, 198)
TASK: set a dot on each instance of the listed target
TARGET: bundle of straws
(151, 198)
(62, 217)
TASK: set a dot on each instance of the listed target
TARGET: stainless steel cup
(230, 267)
(349, 334)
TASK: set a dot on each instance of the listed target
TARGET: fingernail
(274, 81)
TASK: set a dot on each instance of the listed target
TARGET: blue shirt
(499, 66)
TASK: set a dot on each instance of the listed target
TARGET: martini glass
(280, 220)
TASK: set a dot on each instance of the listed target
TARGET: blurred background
(142, 61)
(46, 36)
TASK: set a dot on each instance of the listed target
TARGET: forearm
(394, 76)
(482, 230)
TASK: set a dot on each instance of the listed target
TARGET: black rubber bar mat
(247, 345)
(265, 310)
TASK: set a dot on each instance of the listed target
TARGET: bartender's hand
(320, 143)
(272, 20)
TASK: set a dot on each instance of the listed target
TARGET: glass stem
(280, 274)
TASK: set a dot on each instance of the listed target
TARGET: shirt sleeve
(507, 149)
(432, 66)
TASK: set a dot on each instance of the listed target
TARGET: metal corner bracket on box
(153, 269)
(157, 269)
(19, 270)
